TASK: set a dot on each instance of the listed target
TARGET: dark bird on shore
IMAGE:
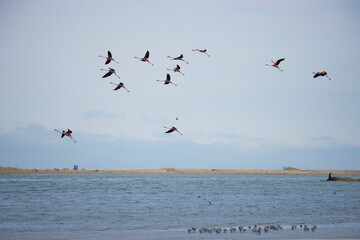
(323, 73)
(276, 64)
(109, 58)
(145, 58)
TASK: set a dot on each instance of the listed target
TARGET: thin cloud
(93, 114)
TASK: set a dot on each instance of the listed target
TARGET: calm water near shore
(165, 206)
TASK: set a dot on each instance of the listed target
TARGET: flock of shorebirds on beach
(254, 229)
(177, 69)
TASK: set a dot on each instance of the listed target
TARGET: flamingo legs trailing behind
(167, 81)
(67, 133)
(178, 58)
(323, 73)
(276, 64)
(176, 69)
(119, 85)
(109, 58)
(145, 58)
(109, 73)
(202, 51)
(172, 129)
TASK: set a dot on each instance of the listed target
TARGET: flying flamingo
(172, 129)
(323, 73)
(110, 72)
(109, 58)
(176, 69)
(276, 64)
(167, 81)
(145, 58)
(67, 133)
(118, 86)
(178, 58)
(202, 51)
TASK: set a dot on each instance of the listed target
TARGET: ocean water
(165, 206)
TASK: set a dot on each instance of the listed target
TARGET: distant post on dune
(76, 167)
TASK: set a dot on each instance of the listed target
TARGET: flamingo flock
(177, 69)
(167, 81)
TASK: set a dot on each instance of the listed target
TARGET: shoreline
(350, 233)
(14, 171)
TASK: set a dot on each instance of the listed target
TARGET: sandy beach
(323, 234)
(9, 170)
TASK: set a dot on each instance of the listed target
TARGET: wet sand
(8, 171)
(324, 234)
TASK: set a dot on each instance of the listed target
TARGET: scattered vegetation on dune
(290, 168)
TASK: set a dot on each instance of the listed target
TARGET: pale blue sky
(234, 111)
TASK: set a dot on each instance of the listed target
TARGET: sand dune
(8, 170)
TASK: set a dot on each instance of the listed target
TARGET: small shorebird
(171, 130)
(109, 58)
(323, 73)
(167, 81)
(176, 69)
(145, 58)
(178, 58)
(276, 64)
(67, 133)
(119, 85)
(202, 51)
(109, 73)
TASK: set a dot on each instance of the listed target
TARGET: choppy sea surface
(165, 206)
